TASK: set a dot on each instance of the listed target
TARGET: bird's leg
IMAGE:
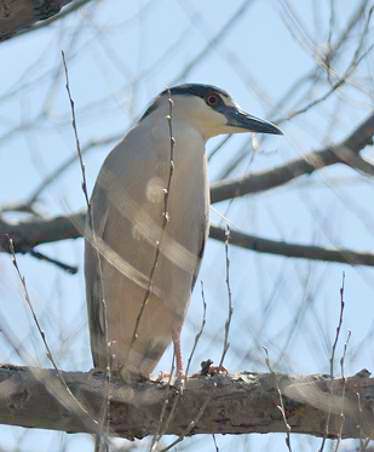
(176, 336)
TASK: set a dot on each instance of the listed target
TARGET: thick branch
(244, 403)
(344, 152)
(27, 235)
(16, 16)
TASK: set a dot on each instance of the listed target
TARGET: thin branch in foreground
(76, 403)
(190, 427)
(104, 420)
(215, 443)
(280, 407)
(342, 361)
(74, 124)
(338, 328)
(332, 360)
(179, 393)
(165, 219)
(226, 343)
(200, 332)
(162, 423)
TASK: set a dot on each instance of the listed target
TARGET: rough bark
(243, 403)
(18, 15)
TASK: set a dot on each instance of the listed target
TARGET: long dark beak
(242, 120)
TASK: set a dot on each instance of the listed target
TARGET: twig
(200, 332)
(106, 413)
(49, 354)
(197, 338)
(338, 328)
(72, 269)
(342, 415)
(332, 357)
(156, 438)
(190, 427)
(280, 407)
(226, 343)
(363, 443)
(215, 442)
(74, 124)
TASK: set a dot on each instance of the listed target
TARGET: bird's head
(209, 109)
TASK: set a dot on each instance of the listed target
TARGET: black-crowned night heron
(140, 269)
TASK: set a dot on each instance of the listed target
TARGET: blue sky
(120, 55)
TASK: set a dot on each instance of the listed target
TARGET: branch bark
(345, 152)
(311, 252)
(20, 15)
(27, 235)
(242, 403)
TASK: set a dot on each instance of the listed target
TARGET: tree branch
(345, 152)
(27, 235)
(243, 403)
(19, 16)
(261, 245)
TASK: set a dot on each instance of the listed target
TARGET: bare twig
(104, 422)
(162, 423)
(332, 358)
(342, 415)
(338, 328)
(74, 124)
(73, 402)
(280, 407)
(179, 393)
(190, 427)
(200, 332)
(226, 343)
(215, 443)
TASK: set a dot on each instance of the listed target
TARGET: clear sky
(120, 55)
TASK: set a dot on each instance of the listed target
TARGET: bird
(148, 224)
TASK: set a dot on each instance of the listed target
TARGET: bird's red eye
(212, 99)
